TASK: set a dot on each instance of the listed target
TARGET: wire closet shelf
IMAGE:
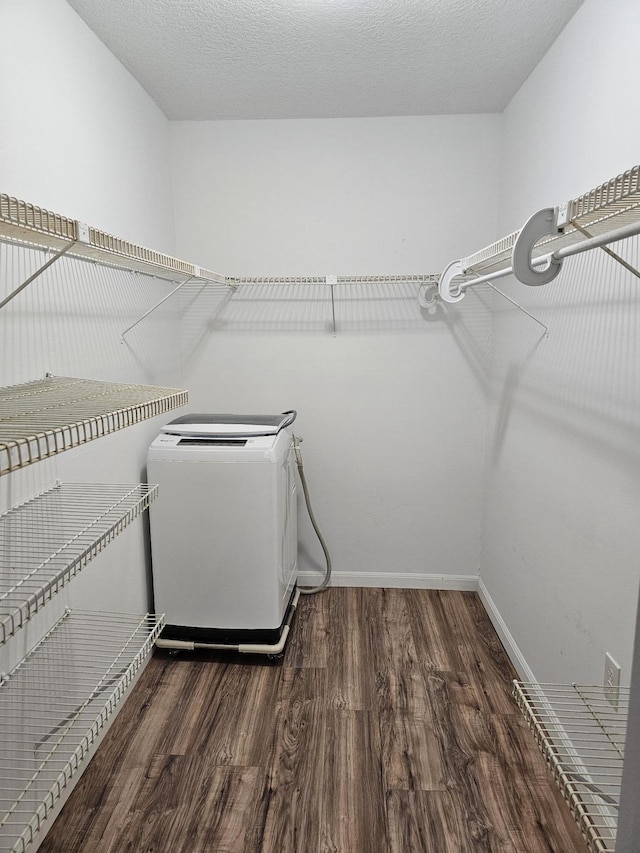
(48, 416)
(26, 223)
(581, 733)
(46, 541)
(54, 707)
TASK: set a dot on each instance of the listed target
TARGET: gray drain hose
(309, 590)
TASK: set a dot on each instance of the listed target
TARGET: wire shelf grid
(45, 417)
(337, 280)
(55, 705)
(49, 539)
(581, 735)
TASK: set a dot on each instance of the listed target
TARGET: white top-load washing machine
(223, 528)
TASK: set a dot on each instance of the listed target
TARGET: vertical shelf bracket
(332, 280)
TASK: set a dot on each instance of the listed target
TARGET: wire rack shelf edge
(581, 735)
(45, 417)
(46, 743)
(32, 225)
(49, 539)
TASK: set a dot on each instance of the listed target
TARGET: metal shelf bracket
(158, 304)
(332, 280)
(37, 273)
(454, 293)
(616, 257)
(519, 307)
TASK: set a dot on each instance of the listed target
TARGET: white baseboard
(395, 580)
(511, 647)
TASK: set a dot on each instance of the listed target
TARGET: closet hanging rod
(551, 261)
(617, 199)
(608, 213)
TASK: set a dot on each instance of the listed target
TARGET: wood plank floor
(388, 726)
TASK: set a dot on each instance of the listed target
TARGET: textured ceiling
(243, 59)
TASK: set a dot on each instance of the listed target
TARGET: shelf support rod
(610, 252)
(157, 305)
(519, 307)
(332, 280)
(333, 311)
(35, 275)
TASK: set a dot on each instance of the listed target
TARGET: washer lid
(216, 425)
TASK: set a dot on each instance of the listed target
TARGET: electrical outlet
(611, 680)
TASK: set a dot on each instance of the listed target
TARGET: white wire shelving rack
(28, 225)
(581, 734)
(284, 290)
(54, 708)
(603, 215)
(58, 701)
(45, 417)
(47, 540)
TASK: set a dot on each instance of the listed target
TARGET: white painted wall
(79, 136)
(392, 408)
(561, 535)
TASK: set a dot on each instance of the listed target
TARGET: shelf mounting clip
(445, 290)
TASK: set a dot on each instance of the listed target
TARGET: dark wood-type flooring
(388, 726)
